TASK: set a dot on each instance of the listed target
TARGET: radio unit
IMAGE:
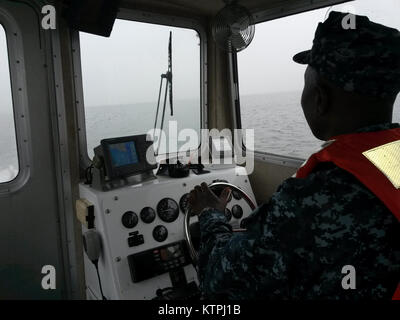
(151, 263)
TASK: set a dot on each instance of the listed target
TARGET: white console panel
(109, 208)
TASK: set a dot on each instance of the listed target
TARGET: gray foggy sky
(5, 86)
(126, 68)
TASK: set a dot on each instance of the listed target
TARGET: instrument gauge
(129, 219)
(160, 233)
(237, 211)
(168, 210)
(147, 215)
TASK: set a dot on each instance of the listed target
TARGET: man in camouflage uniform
(296, 245)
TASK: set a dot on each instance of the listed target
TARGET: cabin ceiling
(199, 7)
(209, 8)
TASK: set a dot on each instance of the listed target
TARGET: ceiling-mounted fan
(233, 27)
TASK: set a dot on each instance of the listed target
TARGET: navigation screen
(123, 154)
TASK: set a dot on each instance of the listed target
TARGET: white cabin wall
(266, 178)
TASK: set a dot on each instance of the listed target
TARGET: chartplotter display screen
(123, 154)
(126, 156)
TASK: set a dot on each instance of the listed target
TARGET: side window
(271, 83)
(121, 82)
(9, 165)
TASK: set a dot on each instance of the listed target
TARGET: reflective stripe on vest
(373, 158)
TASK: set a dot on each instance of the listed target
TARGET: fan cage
(233, 28)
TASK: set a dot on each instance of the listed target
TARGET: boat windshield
(121, 83)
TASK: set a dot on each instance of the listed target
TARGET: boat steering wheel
(186, 222)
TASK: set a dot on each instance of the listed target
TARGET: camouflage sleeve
(242, 265)
(296, 244)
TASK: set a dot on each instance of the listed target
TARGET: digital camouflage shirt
(296, 245)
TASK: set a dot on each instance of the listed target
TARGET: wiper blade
(168, 89)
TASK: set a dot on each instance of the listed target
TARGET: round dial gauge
(129, 219)
(237, 211)
(228, 214)
(160, 233)
(168, 210)
(184, 202)
(147, 215)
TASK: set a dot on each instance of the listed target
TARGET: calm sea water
(278, 121)
(280, 126)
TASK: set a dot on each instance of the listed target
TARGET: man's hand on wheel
(202, 197)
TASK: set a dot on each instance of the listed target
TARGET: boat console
(144, 254)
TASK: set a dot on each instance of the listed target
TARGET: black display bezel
(141, 146)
